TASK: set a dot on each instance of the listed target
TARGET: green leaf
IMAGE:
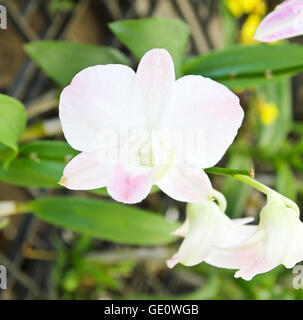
(248, 66)
(39, 164)
(12, 121)
(62, 60)
(26, 172)
(141, 35)
(48, 150)
(271, 137)
(286, 182)
(105, 220)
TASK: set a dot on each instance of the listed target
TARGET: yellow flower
(240, 7)
(235, 8)
(249, 28)
(249, 5)
(268, 112)
(260, 8)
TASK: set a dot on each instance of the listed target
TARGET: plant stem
(229, 172)
(248, 179)
(252, 182)
(246, 176)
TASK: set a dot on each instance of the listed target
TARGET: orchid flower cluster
(136, 130)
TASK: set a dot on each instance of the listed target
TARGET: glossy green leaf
(103, 219)
(48, 150)
(26, 172)
(247, 66)
(39, 164)
(142, 35)
(62, 60)
(12, 121)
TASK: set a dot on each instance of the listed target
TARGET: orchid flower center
(150, 153)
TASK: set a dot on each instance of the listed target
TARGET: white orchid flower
(205, 229)
(104, 99)
(286, 21)
(278, 240)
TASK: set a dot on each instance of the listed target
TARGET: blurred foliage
(54, 56)
(78, 277)
(12, 124)
(104, 219)
(219, 284)
(276, 284)
(39, 164)
(246, 66)
(61, 5)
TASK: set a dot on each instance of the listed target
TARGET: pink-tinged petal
(209, 114)
(286, 21)
(278, 240)
(242, 256)
(97, 99)
(261, 266)
(251, 257)
(172, 262)
(86, 172)
(130, 184)
(186, 184)
(154, 80)
(267, 247)
(208, 228)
